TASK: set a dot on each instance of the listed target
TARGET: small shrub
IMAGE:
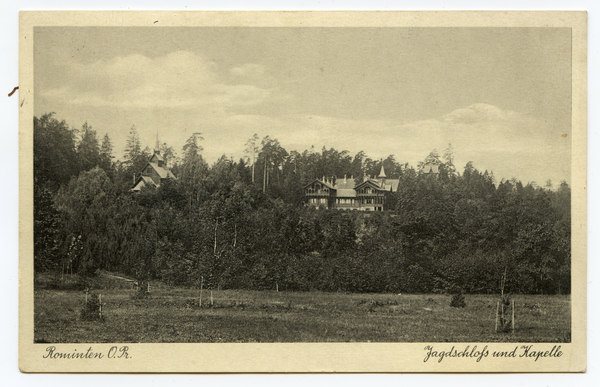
(505, 318)
(458, 301)
(142, 292)
(91, 310)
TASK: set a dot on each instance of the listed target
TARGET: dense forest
(243, 224)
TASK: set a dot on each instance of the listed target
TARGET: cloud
(178, 80)
(479, 113)
(249, 70)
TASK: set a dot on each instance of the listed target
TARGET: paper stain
(564, 135)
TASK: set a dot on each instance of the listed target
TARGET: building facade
(370, 195)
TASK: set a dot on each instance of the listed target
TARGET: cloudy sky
(501, 96)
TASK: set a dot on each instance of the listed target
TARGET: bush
(458, 301)
(142, 292)
(505, 318)
(91, 310)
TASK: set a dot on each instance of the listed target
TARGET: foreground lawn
(174, 315)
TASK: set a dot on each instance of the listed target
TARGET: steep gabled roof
(156, 157)
(346, 188)
(430, 168)
(141, 182)
(388, 185)
(321, 182)
(372, 183)
(391, 185)
(162, 171)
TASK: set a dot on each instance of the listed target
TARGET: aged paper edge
(303, 357)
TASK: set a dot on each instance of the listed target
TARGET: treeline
(243, 224)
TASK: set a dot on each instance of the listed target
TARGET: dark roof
(391, 185)
(388, 185)
(321, 182)
(372, 183)
(162, 171)
(347, 187)
(156, 156)
(142, 181)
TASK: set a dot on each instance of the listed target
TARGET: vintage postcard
(303, 191)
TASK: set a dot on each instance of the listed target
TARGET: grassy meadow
(175, 315)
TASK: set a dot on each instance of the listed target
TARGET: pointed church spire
(382, 173)
(157, 147)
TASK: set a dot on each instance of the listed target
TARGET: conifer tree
(88, 149)
(133, 149)
(106, 148)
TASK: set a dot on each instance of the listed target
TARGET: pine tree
(54, 153)
(106, 156)
(193, 169)
(88, 148)
(133, 149)
(192, 149)
(106, 148)
(449, 158)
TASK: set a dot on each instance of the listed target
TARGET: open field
(174, 315)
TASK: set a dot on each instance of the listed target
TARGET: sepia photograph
(304, 184)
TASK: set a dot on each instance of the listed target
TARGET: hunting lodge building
(370, 195)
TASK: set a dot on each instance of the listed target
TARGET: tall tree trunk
(253, 162)
(234, 234)
(268, 173)
(265, 178)
(215, 246)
